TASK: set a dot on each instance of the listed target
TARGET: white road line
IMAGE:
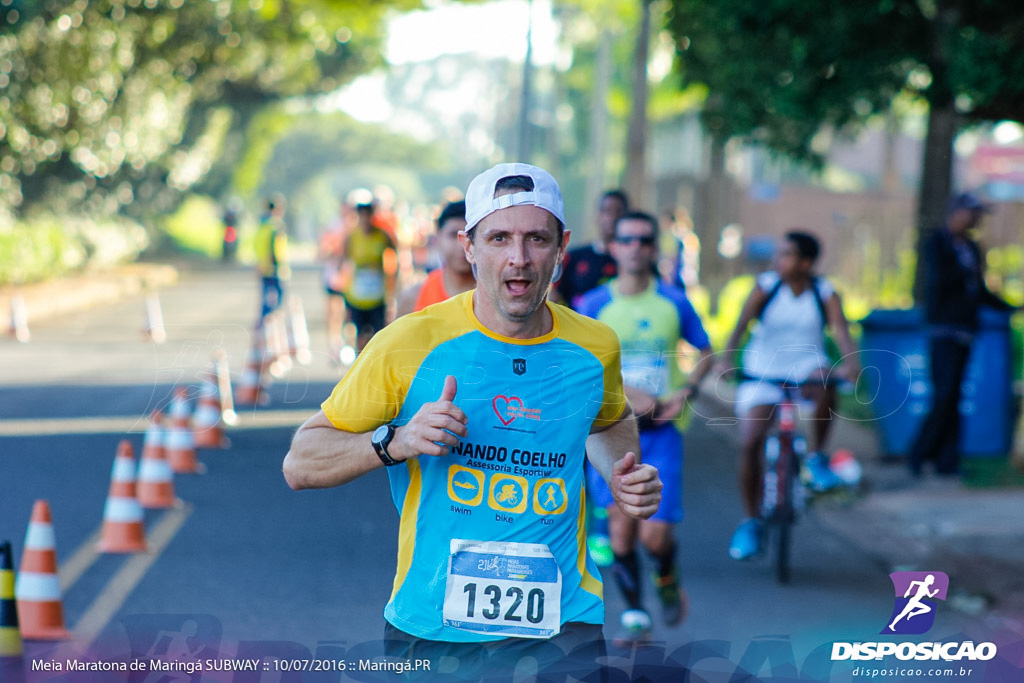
(257, 419)
(121, 585)
(73, 568)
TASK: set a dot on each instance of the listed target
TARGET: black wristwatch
(381, 439)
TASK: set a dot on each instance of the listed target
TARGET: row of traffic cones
(279, 340)
(18, 324)
(31, 607)
(31, 604)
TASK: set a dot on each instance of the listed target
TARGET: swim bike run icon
(916, 596)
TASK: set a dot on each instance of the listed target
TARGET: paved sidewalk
(976, 535)
(53, 298)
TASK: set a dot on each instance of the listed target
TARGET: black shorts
(367, 319)
(578, 650)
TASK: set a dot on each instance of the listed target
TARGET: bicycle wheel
(785, 515)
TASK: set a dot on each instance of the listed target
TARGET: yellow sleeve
(614, 395)
(601, 341)
(372, 391)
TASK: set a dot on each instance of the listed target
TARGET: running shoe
(600, 548)
(816, 474)
(675, 603)
(746, 541)
(636, 629)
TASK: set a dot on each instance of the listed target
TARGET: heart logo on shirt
(502, 412)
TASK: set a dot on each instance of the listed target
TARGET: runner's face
(515, 251)
(634, 248)
(365, 218)
(788, 262)
(610, 211)
(452, 253)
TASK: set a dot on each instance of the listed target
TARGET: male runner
(453, 277)
(482, 408)
(592, 265)
(366, 292)
(272, 256)
(651, 320)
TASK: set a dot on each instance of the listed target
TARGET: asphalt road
(247, 568)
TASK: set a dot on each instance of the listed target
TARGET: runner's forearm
(604, 448)
(322, 456)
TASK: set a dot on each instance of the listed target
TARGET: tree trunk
(937, 166)
(598, 137)
(711, 217)
(936, 181)
(636, 142)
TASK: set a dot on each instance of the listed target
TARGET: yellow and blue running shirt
(649, 325)
(491, 539)
(367, 287)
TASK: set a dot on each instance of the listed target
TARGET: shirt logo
(465, 485)
(914, 608)
(508, 408)
(519, 366)
(508, 493)
(549, 497)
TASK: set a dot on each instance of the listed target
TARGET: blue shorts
(663, 448)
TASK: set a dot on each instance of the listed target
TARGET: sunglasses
(644, 240)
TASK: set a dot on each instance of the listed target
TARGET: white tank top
(789, 342)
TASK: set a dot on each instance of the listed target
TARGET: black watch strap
(381, 446)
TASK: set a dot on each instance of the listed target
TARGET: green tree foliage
(778, 70)
(106, 102)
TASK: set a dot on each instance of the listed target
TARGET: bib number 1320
(508, 589)
(513, 604)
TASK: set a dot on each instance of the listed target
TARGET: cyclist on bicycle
(793, 307)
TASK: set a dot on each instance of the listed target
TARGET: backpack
(815, 288)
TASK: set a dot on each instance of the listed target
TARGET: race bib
(645, 372)
(503, 589)
(368, 284)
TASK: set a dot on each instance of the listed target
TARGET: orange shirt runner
(432, 291)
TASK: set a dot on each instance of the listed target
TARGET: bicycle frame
(783, 492)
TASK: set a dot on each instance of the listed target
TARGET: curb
(53, 298)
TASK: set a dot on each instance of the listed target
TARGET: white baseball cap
(481, 202)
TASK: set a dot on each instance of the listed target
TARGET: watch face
(380, 433)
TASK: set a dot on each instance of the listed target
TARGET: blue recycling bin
(894, 354)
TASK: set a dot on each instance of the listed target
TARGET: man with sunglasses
(652, 320)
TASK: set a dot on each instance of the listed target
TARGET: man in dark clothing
(954, 292)
(592, 265)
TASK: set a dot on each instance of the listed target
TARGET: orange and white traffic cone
(10, 634)
(207, 430)
(223, 374)
(251, 389)
(181, 449)
(156, 478)
(155, 329)
(298, 331)
(19, 319)
(123, 530)
(277, 358)
(37, 588)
